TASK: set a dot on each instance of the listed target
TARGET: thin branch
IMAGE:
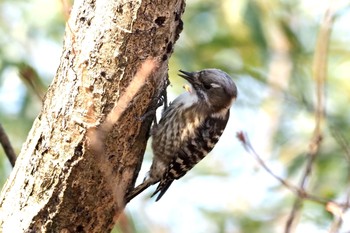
(301, 193)
(335, 210)
(6, 144)
(298, 203)
(319, 74)
(338, 214)
(243, 137)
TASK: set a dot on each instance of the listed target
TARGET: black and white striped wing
(192, 151)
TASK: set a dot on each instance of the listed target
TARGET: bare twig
(338, 214)
(335, 210)
(319, 73)
(6, 144)
(301, 193)
(243, 137)
(311, 156)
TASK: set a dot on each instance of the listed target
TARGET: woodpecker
(189, 128)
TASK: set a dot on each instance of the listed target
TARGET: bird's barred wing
(193, 151)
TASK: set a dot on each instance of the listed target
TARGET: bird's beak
(189, 76)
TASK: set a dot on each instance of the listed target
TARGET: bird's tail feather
(162, 188)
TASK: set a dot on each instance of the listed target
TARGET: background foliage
(269, 49)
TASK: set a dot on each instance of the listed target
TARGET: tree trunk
(85, 148)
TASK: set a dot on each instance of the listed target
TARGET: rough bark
(85, 148)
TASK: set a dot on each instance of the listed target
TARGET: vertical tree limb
(85, 148)
(319, 74)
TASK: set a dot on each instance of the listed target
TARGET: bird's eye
(207, 86)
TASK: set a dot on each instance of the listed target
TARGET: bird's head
(213, 88)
